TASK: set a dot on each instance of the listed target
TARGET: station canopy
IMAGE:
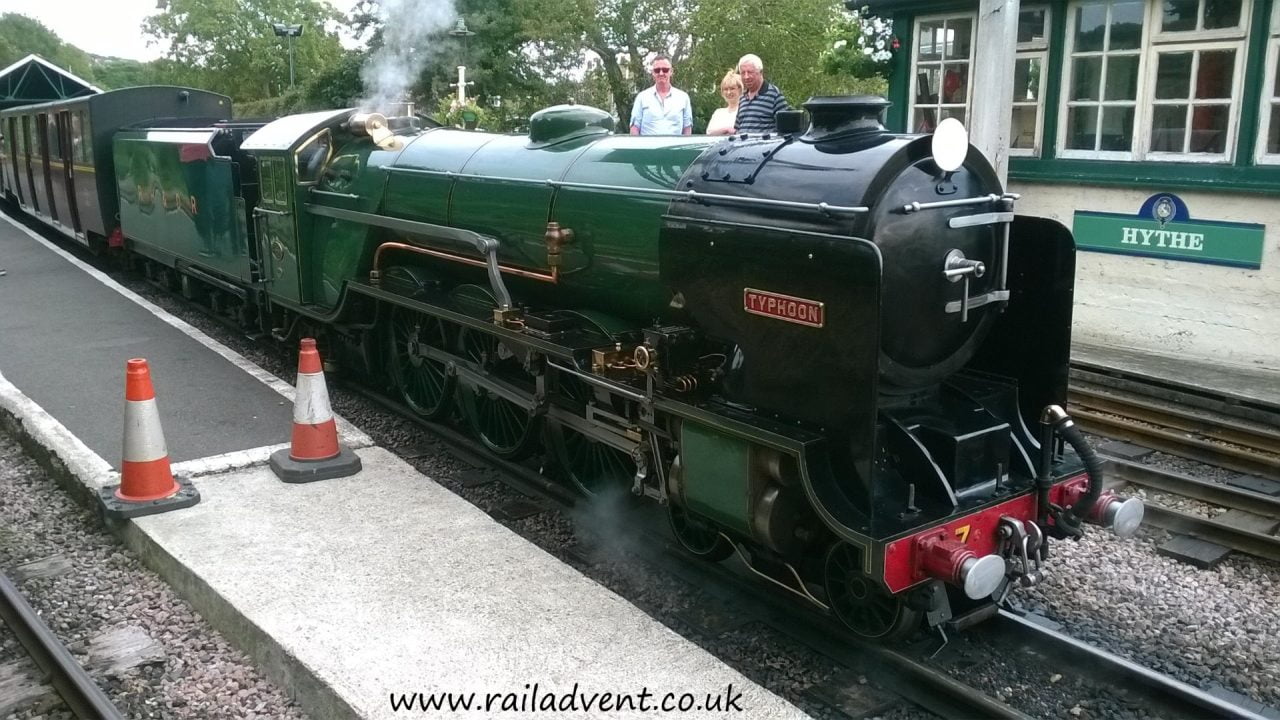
(36, 80)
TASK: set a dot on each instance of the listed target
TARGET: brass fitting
(556, 238)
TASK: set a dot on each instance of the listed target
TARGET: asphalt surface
(64, 340)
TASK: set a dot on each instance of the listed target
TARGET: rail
(1124, 673)
(85, 699)
(1197, 433)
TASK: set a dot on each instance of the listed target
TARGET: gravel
(105, 588)
(1171, 501)
(1205, 627)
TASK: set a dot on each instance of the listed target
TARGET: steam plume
(410, 30)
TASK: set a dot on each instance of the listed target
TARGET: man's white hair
(751, 59)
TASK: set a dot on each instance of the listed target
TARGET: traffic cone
(314, 453)
(147, 485)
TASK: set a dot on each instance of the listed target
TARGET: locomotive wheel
(507, 429)
(591, 466)
(700, 538)
(425, 384)
(861, 604)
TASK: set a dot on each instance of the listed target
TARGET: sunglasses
(661, 71)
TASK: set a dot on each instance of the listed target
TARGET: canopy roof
(35, 80)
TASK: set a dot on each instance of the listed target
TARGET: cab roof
(291, 130)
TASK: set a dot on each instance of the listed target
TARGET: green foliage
(20, 36)
(112, 73)
(788, 37)
(288, 102)
(449, 112)
(621, 33)
(494, 64)
(228, 45)
(338, 86)
(859, 45)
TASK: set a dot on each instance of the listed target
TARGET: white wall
(1193, 310)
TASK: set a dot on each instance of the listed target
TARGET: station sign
(1163, 228)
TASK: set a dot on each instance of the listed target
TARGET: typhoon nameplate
(783, 307)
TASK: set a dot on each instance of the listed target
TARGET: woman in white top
(725, 119)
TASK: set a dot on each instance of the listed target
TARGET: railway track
(736, 599)
(55, 663)
(1218, 431)
(1158, 694)
(1248, 521)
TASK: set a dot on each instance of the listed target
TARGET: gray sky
(104, 27)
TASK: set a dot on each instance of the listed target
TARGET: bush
(449, 112)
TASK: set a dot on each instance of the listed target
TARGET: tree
(620, 33)
(228, 45)
(788, 36)
(20, 36)
(340, 85)
(501, 73)
(111, 73)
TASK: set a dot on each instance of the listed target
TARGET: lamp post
(460, 31)
(291, 32)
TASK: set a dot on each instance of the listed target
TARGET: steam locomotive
(833, 350)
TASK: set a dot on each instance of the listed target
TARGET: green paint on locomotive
(178, 200)
(612, 264)
(354, 179)
(717, 473)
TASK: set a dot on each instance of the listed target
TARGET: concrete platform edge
(80, 472)
(311, 693)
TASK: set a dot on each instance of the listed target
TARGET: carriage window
(311, 158)
(51, 137)
(77, 142)
(86, 138)
(1153, 79)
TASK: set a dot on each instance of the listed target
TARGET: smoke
(411, 31)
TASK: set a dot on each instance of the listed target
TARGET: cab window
(311, 158)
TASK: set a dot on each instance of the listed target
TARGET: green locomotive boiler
(834, 350)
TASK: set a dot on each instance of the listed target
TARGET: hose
(1070, 519)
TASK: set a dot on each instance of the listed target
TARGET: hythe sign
(1163, 228)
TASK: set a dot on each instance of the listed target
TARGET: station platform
(1259, 387)
(356, 594)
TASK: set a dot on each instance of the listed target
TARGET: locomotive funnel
(839, 116)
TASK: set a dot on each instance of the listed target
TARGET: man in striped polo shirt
(762, 101)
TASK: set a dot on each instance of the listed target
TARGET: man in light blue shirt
(661, 109)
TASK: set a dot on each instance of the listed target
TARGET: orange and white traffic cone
(147, 485)
(314, 453)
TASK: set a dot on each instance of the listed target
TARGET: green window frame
(941, 69)
(1030, 76)
(1153, 80)
(1268, 147)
